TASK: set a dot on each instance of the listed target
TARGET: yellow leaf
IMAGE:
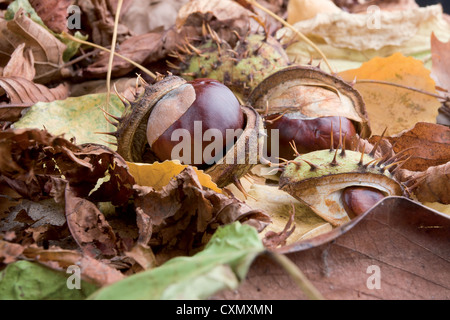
(390, 107)
(444, 208)
(158, 174)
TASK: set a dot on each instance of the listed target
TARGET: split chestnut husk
(322, 180)
(310, 108)
(166, 102)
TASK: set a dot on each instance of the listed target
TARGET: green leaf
(25, 280)
(221, 265)
(80, 117)
(26, 6)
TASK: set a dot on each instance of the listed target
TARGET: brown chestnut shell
(312, 93)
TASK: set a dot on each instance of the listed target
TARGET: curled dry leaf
(24, 91)
(89, 227)
(138, 48)
(100, 20)
(183, 215)
(53, 13)
(47, 49)
(31, 158)
(92, 270)
(431, 185)
(9, 252)
(21, 64)
(428, 144)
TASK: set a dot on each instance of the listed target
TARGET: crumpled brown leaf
(31, 158)
(89, 227)
(183, 215)
(224, 17)
(53, 13)
(100, 20)
(21, 64)
(24, 91)
(73, 181)
(92, 270)
(47, 49)
(431, 185)
(429, 145)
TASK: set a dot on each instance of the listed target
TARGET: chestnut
(358, 200)
(308, 134)
(196, 107)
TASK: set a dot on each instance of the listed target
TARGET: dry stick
(111, 54)
(137, 65)
(368, 81)
(65, 65)
(297, 275)
(298, 33)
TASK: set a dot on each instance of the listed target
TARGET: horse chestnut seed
(358, 200)
(196, 107)
(308, 134)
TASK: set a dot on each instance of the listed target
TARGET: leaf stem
(300, 279)
(87, 43)
(368, 81)
(297, 32)
(111, 57)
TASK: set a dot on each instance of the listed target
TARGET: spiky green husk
(240, 68)
(330, 162)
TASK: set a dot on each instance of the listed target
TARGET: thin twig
(111, 55)
(400, 86)
(297, 275)
(67, 64)
(297, 32)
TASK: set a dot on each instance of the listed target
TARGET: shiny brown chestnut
(204, 105)
(308, 134)
(357, 200)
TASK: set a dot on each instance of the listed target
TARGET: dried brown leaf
(100, 20)
(407, 241)
(23, 91)
(431, 185)
(88, 226)
(9, 252)
(183, 215)
(429, 144)
(47, 49)
(53, 13)
(92, 270)
(21, 64)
